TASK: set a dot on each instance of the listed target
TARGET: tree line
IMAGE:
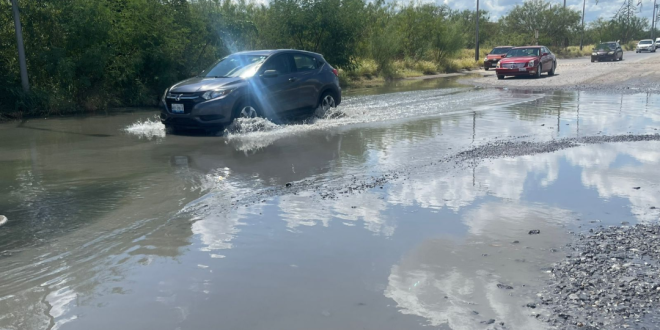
(89, 55)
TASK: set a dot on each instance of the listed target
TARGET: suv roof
(269, 52)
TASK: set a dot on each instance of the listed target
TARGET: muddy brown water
(113, 224)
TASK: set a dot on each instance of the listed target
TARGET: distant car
(607, 51)
(265, 83)
(495, 56)
(645, 45)
(657, 43)
(527, 61)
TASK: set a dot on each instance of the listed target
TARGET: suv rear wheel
(327, 101)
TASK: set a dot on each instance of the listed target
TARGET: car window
(605, 46)
(304, 62)
(500, 50)
(280, 63)
(644, 42)
(234, 66)
(521, 52)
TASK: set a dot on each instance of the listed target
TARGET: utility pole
(564, 3)
(655, 6)
(584, 3)
(21, 49)
(476, 44)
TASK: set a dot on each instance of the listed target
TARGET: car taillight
(336, 72)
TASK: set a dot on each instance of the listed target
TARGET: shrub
(426, 67)
(630, 45)
(367, 68)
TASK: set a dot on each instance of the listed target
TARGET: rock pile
(610, 280)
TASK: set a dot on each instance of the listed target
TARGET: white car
(645, 45)
(657, 43)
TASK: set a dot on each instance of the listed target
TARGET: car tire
(552, 71)
(539, 71)
(486, 68)
(246, 109)
(327, 101)
(500, 76)
(592, 60)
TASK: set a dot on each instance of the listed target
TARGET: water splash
(149, 129)
(331, 113)
(250, 125)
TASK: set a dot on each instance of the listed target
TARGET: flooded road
(358, 219)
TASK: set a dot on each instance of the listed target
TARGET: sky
(604, 8)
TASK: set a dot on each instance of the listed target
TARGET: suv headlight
(531, 63)
(216, 94)
(485, 58)
(499, 65)
(165, 94)
(610, 53)
(594, 54)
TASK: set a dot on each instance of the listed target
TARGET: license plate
(177, 108)
(522, 69)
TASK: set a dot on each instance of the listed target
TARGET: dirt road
(636, 73)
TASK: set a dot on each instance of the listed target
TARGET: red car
(527, 61)
(495, 56)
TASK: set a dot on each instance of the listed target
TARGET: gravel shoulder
(636, 73)
(609, 280)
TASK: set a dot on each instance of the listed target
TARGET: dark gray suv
(266, 83)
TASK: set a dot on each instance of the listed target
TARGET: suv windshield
(497, 51)
(234, 66)
(521, 52)
(606, 46)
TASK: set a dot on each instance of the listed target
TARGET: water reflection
(450, 281)
(365, 207)
(93, 219)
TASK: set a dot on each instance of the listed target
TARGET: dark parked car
(495, 56)
(527, 61)
(267, 83)
(607, 51)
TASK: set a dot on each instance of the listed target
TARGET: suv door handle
(292, 79)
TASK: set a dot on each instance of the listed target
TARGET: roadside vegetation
(85, 56)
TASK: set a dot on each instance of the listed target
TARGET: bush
(573, 51)
(367, 68)
(449, 66)
(630, 45)
(466, 63)
(426, 67)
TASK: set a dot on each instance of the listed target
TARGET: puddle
(175, 231)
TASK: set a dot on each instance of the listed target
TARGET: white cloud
(444, 280)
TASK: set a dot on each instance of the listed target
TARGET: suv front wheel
(246, 110)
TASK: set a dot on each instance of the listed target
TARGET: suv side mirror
(545, 54)
(270, 74)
